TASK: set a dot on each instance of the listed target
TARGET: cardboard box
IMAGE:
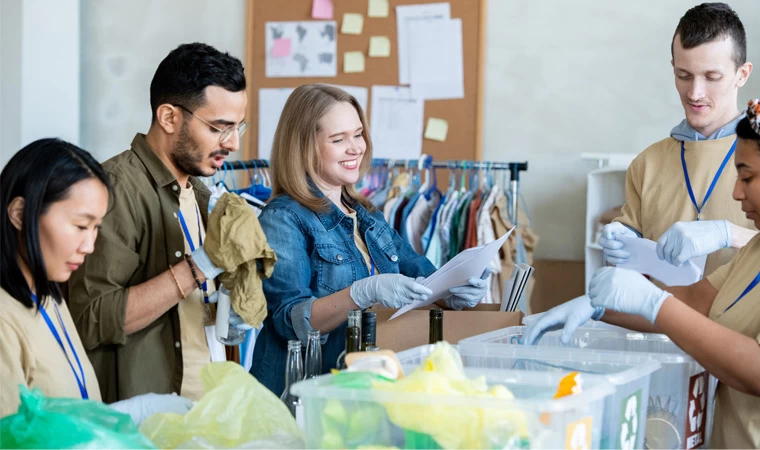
(411, 329)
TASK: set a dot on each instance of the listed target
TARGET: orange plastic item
(568, 385)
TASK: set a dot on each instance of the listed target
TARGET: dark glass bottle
(354, 321)
(369, 322)
(436, 326)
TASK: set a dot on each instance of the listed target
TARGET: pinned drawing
(312, 49)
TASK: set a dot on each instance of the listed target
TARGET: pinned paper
(397, 123)
(352, 23)
(353, 62)
(436, 129)
(281, 48)
(377, 8)
(322, 9)
(379, 47)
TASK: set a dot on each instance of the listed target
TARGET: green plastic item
(43, 422)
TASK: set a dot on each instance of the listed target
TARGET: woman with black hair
(54, 196)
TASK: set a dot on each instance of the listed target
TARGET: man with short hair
(140, 300)
(679, 190)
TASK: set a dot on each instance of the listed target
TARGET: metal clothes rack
(514, 169)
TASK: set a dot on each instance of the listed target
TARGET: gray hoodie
(684, 132)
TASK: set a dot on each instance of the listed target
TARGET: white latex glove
(614, 250)
(204, 264)
(235, 320)
(391, 290)
(626, 291)
(685, 240)
(567, 316)
(141, 407)
(469, 295)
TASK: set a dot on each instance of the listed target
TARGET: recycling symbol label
(578, 435)
(696, 412)
(629, 421)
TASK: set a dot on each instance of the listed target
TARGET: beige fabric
(359, 242)
(192, 312)
(31, 356)
(737, 415)
(656, 196)
(237, 244)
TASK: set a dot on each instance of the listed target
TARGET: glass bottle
(369, 321)
(234, 336)
(313, 355)
(436, 326)
(353, 339)
(293, 374)
(354, 321)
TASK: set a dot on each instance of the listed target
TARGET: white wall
(39, 48)
(122, 44)
(566, 77)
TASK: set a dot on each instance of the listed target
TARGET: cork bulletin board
(464, 116)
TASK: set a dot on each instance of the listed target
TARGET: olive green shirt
(139, 240)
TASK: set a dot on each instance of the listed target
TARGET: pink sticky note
(322, 9)
(281, 48)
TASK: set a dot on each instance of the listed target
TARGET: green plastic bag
(236, 411)
(43, 422)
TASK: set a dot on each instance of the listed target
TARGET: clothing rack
(514, 169)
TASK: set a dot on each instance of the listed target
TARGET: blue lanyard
(751, 286)
(81, 382)
(714, 181)
(190, 241)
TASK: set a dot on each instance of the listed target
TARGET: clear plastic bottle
(293, 374)
(313, 355)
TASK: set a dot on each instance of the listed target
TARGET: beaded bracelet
(177, 281)
(192, 270)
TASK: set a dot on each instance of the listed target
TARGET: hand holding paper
(645, 261)
(457, 272)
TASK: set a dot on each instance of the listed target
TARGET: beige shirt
(737, 415)
(30, 354)
(193, 313)
(656, 196)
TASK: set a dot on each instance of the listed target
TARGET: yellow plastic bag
(442, 373)
(236, 411)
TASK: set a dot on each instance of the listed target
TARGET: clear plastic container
(680, 394)
(340, 417)
(625, 411)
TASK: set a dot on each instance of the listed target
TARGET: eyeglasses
(226, 132)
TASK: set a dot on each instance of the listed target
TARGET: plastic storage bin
(624, 411)
(679, 392)
(570, 422)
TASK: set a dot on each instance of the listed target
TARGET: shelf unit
(605, 189)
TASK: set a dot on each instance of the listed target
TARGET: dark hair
(744, 130)
(41, 173)
(709, 22)
(186, 72)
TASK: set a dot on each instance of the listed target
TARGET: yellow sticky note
(436, 129)
(353, 62)
(352, 23)
(377, 8)
(379, 47)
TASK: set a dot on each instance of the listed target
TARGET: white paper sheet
(271, 103)
(396, 123)
(469, 263)
(407, 17)
(312, 49)
(645, 261)
(436, 71)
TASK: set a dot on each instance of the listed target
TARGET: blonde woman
(335, 252)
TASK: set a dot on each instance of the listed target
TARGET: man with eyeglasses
(140, 301)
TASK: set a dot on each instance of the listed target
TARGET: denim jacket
(316, 257)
